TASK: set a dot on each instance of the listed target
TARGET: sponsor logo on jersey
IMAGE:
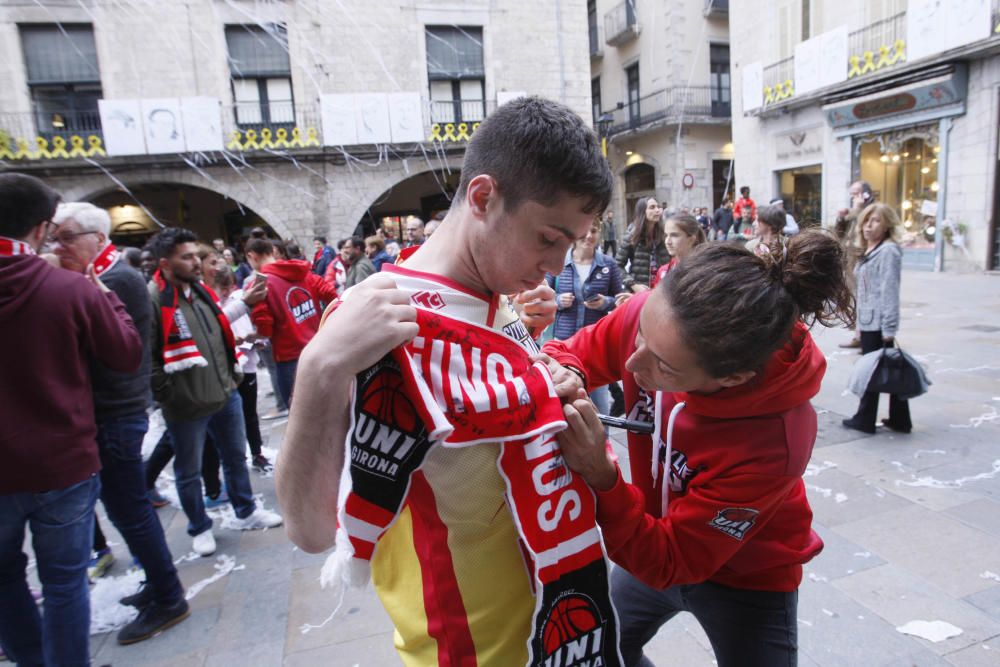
(735, 521)
(429, 300)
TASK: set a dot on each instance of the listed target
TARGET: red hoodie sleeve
(262, 319)
(703, 529)
(325, 291)
(597, 350)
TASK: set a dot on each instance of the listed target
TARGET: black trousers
(867, 414)
(746, 628)
(248, 392)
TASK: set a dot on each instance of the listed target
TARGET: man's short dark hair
(356, 242)
(537, 150)
(321, 239)
(260, 246)
(165, 243)
(745, 190)
(258, 233)
(25, 203)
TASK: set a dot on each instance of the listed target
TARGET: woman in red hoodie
(719, 360)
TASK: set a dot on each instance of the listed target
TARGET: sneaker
(217, 501)
(156, 498)
(140, 599)
(261, 518)
(858, 426)
(152, 620)
(261, 464)
(204, 543)
(851, 344)
(277, 413)
(100, 564)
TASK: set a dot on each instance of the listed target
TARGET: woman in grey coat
(877, 274)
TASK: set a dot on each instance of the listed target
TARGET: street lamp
(604, 122)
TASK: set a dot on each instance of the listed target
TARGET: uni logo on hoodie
(300, 304)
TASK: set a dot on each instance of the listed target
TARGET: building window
(595, 99)
(63, 77)
(456, 74)
(632, 77)
(261, 74)
(595, 40)
(719, 76)
(801, 189)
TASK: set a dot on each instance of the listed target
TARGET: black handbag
(898, 373)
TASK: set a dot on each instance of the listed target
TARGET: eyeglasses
(67, 238)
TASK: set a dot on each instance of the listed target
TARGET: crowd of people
(431, 439)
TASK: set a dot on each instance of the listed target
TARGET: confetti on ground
(814, 469)
(831, 614)
(106, 614)
(817, 577)
(990, 575)
(806, 623)
(840, 498)
(976, 422)
(305, 628)
(863, 554)
(932, 483)
(224, 565)
(917, 453)
(934, 631)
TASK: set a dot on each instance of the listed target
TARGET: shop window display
(902, 168)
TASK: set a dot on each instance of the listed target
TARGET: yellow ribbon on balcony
(265, 138)
(235, 138)
(281, 138)
(768, 95)
(887, 57)
(312, 137)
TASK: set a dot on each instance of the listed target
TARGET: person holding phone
(585, 292)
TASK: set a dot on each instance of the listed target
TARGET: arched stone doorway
(210, 215)
(423, 195)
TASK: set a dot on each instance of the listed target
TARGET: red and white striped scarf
(461, 384)
(180, 350)
(106, 259)
(12, 247)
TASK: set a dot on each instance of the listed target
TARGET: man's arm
(312, 456)
(114, 339)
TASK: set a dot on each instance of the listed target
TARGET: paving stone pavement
(911, 526)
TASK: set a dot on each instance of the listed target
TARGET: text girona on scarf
(459, 384)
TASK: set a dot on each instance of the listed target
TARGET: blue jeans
(286, 379)
(62, 529)
(746, 628)
(226, 427)
(123, 491)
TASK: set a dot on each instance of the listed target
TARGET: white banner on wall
(337, 114)
(406, 117)
(202, 121)
(505, 96)
(821, 61)
(753, 86)
(372, 118)
(121, 124)
(933, 26)
(163, 125)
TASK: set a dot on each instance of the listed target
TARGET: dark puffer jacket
(637, 258)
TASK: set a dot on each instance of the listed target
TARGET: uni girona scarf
(180, 351)
(106, 259)
(460, 384)
(11, 247)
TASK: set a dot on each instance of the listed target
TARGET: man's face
(517, 248)
(349, 253)
(148, 262)
(183, 265)
(75, 248)
(318, 245)
(414, 231)
(219, 244)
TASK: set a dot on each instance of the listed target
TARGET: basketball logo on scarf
(573, 633)
(300, 304)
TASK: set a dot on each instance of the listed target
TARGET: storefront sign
(938, 92)
(799, 145)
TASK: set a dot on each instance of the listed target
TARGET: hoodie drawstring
(657, 440)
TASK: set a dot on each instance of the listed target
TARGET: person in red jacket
(719, 359)
(290, 314)
(744, 211)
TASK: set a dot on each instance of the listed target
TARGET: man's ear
(736, 379)
(480, 192)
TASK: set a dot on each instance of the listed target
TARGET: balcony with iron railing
(876, 47)
(620, 24)
(779, 81)
(245, 127)
(716, 8)
(692, 104)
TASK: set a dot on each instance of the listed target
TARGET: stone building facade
(660, 90)
(902, 94)
(268, 66)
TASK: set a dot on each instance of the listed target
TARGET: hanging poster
(337, 114)
(371, 114)
(934, 26)
(406, 117)
(163, 125)
(753, 86)
(202, 121)
(121, 124)
(821, 61)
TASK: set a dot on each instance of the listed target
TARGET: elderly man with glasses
(81, 240)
